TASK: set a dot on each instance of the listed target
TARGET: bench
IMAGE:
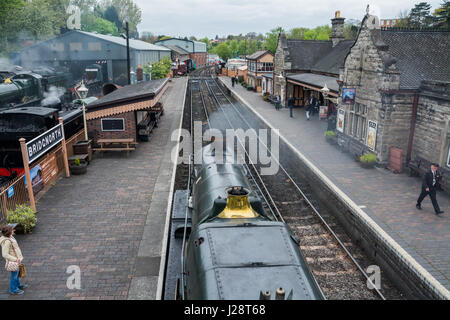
(116, 145)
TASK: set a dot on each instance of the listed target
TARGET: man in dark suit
(429, 188)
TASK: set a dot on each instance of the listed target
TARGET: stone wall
(366, 70)
(280, 64)
(432, 123)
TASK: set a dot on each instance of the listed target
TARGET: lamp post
(83, 91)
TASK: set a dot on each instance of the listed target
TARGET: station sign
(10, 192)
(42, 144)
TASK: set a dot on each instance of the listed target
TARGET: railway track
(337, 264)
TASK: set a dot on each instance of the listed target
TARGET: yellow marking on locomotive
(238, 207)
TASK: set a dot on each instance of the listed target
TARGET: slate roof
(134, 44)
(335, 58)
(420, 55)
(257, 54)
(303, 54)
(147, 89)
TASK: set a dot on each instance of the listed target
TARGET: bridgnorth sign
(40, 145)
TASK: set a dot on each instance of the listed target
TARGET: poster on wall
(340, 120)
(36, 179)
(348, 95)
(49, 169)
(372, 135)
(323, 112)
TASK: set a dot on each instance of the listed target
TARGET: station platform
(109, 222)
(388, 199)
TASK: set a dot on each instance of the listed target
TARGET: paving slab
(96, 222)
(388, 198)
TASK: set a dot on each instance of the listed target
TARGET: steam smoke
(52, 97)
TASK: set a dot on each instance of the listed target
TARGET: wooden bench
(116, 145)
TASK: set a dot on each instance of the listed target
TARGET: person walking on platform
(232, 81)
(429, 188)
(278, 103)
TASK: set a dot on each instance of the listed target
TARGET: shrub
(241, 79)
(330, 134)
(368, 158)
(24, 215)
(77, 162)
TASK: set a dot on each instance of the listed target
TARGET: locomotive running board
(173, 270)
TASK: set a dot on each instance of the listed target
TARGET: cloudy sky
(223, 17)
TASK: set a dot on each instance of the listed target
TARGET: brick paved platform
(389, 199)
(108, 222)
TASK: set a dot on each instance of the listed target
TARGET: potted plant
(78, 167)
(330, 137)
(250, 88)
(368, 160)
(24, 216)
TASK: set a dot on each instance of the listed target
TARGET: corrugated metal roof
(134, 44)
(177, 49)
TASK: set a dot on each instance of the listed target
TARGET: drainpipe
(413, 127)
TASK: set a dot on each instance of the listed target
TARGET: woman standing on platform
(13, 256)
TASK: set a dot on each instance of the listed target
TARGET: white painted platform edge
(162, 265)
(415, 266)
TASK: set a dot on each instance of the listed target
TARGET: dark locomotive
(29, 123)
(234, 250)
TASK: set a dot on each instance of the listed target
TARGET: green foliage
(77, 162)
(368, 158)
(24, 215)
(91, 22)
(159, 69)
(442, 15)
(419, 16)
(329, 134)
(223, 51)
(271, 41)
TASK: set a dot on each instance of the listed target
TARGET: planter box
(77, 170)
(331, 140)
(83, 147)
(368, 165)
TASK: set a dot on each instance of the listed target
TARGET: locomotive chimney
(337, 28)
(238, 205)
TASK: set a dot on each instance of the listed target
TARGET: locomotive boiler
(235, 251)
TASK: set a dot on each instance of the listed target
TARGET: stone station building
(401, 80)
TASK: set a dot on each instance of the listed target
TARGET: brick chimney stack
(337, 28)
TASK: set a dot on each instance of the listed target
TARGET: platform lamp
(83, 91)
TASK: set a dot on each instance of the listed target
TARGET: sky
(208, 18)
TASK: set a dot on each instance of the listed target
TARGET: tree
(100, 25)
(442, 15)
(11, 15)
(160, 69)
(223, 51)
(127, 10)
(111, 15)
(271, 41)
(234, 47)
(420, 16)
(297, 33)
(351, 28)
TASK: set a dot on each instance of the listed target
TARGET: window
(113, 124)
(265, 66)
(358, 121)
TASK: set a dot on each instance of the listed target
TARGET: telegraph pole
(128, 53)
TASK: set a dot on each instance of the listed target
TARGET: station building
(197, 50)
(400, 95)
(259, 64)
(302, 68)
(77, 50)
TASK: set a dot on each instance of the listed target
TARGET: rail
(341, 244)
